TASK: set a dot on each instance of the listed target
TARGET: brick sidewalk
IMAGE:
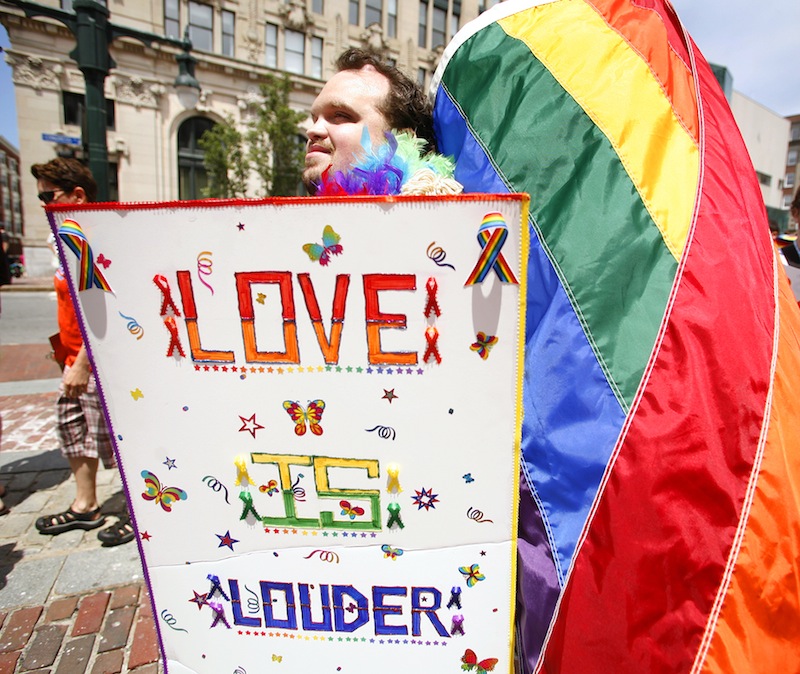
(67, 605)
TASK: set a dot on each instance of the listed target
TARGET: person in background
(80, 425)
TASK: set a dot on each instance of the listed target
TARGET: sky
(757, 40)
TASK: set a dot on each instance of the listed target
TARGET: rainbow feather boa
(395, 167)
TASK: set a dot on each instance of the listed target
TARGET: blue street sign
(62, 140)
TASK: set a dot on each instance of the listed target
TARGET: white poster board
(317, 423)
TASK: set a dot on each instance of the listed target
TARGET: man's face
(347, 104)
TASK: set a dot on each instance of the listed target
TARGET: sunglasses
(48, 196)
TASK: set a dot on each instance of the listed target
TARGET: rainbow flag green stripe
(612, 248)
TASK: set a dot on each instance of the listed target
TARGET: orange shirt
(68, 329)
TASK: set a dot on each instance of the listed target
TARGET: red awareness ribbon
(433, 305)
(432, 337)
(166, 294)
(175, 340)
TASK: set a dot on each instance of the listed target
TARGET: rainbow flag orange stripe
(660, 527)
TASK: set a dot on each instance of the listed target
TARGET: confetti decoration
(393, 480)
(104, 261)
(389, 395)
(163, 496)
(477, 515)
(492, 236)
(458, 625)
(169, 463)
(270, 488)
(226, 540)
(216, 485)
(384, 432)
(394, 516)
(432, 305)
(250, 425)
(277, 658)
(432, 348)
(471, 662)
(146, 536)
(305, 417)
(390, 552)
(253, 603)
(205, 267)
(425, 499)
(468, 478)
(330, 246)
(472, 574)
(260, 297)
(297, 491)
(133, 326)
(136, 394)
(240, 226)
(483, 344)
(325, 556)
(351, 511)
(437, 255)
(199, 600)
(170, 621)
(90, 274)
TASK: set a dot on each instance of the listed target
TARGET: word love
(329, 343)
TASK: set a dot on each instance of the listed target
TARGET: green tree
(224, 160)
(274, 152)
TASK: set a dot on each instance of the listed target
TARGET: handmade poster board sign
(316, 408)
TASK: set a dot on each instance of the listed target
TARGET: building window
(791, 158)
(201, 26)
(455, 18)
(67, 4)
(192, 176)
(74, 107)
(271, 45)
(374, 12)
(228, 33)
(294, 54)
(316, 57)
(422, 36)
(421, 77)
(391, 18)
(172, 19)
(353, 12)
(764, 179)
(794, 133)
(789, 181)
(439, 27)
(318, 6)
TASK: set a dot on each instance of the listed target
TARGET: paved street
(67, 605)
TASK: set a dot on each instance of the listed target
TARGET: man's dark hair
(67, 174)
(406, 106)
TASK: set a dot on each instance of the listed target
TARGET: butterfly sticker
(330, 246)
(301, 416)
(260, 297)
(103, 260)
(270, 488)
(471, 663)
(483, 344)
(164, 496)
(472, 574)
(350, 510)
(389, 551)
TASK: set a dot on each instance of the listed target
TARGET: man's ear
(79, 194)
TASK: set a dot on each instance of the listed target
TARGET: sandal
(117, 534)
(68, 520)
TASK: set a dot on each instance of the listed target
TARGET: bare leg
(85, 471)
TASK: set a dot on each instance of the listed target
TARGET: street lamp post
(94, 33)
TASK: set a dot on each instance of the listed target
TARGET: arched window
(191, 172)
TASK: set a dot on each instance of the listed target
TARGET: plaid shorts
(81, 427)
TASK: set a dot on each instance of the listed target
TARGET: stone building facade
(152, 139)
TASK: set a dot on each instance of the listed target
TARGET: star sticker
(250, 424)
(240, 226)
(389, 395)
(483, 553)
(425, 499)
(146, 536)
(170, 463)
(226, 540)
(136, 394)
(260, 297)
(200, 599)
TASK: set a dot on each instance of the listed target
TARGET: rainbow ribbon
(492, 235)
(72, 234)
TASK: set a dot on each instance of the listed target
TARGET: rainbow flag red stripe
(72, 234)
(660, 526)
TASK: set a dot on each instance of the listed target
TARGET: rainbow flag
(660, 510)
